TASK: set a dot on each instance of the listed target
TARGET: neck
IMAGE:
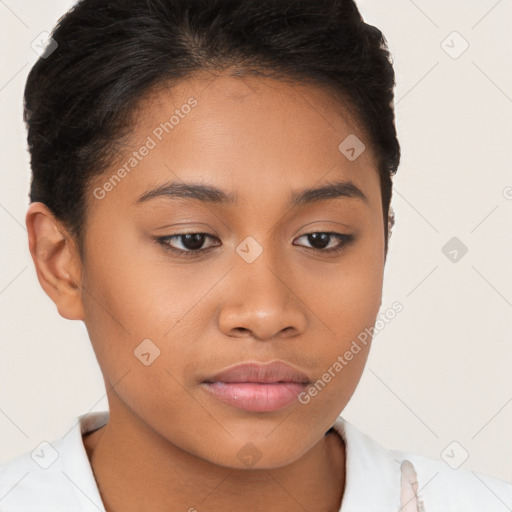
(137, 469)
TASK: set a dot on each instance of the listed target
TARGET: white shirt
(58, 477)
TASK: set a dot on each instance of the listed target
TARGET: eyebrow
(211, 194)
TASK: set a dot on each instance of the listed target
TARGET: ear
(56, 259)
(391, 221)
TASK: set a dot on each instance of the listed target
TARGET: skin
(170, 443)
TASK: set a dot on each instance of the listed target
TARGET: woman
(211, 197)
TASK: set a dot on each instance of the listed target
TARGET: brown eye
(186, 243)
(327, 241)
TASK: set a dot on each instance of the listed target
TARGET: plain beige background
(440, 371)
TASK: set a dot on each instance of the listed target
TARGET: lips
(257, 387)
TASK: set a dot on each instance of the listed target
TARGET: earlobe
(56, 261)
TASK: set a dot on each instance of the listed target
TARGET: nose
(265, 300)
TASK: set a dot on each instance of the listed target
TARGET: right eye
(191, 243)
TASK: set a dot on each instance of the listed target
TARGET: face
(181, 286)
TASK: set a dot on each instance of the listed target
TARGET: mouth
(258, 387)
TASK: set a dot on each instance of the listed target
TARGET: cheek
(348, 312)
(347, 297)
(146, 316)
(134, 307)
(348, 305)
(134, 287)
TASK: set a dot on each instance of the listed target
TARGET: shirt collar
(76, 465)
(372, 475)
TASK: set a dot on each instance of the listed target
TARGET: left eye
(322, 240)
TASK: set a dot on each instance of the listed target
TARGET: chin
(257, 454)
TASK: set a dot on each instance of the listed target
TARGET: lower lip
(256, 397)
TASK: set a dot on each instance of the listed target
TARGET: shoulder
(35, 481)
(445, 488)
(413, 483)
(55, 476)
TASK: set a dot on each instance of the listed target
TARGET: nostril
(241, 330)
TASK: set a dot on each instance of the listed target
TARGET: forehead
(257, 137)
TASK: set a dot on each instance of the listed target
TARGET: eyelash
(345, 240)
